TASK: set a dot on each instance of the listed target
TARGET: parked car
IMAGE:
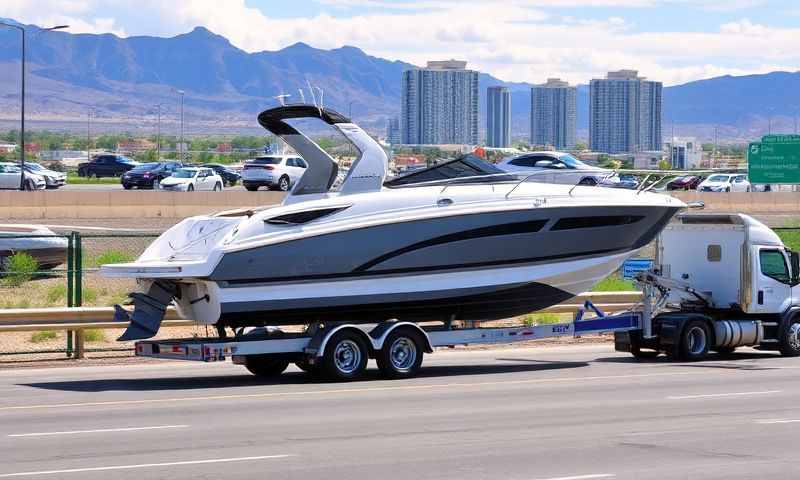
(106, 166)
(273, 171)
(687, 182)
(52, 178)
(229, 176)
(723, 182)
(48, 249)
(10, 174)
(188, 179)
(628, 181)
(148, 175)
(569, 169)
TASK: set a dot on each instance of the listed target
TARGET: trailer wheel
(401, 355)
(265, 365)
(789, 345)
(694, 341)
(345, 357)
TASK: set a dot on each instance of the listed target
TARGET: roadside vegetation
(614, 283)
(18, 269)
(791, 237)
(43, 336)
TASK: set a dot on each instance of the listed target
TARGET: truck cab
(725, 281)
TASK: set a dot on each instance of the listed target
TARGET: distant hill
(125, 78)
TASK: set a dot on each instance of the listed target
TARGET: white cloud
(509, 39)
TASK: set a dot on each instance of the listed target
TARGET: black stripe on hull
(494, 305)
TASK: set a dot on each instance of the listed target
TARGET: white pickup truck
(719, 281)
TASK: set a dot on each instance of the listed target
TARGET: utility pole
(22, 98)
(182, 149)
(89, 135)
(158, 134)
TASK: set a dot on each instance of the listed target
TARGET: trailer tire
(694, 341)
(789, 345)
(401, 355)
(345, 357)
(265, 365)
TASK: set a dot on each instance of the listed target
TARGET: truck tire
(265, 365)
(401, 355)
(789, 341)
(693, 343)
(345, 357)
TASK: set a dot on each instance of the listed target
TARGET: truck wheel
(401, 355)
(789, 345)
(345, 357)
(265, 365)
(694, 340)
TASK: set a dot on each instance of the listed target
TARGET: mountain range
(124, 80)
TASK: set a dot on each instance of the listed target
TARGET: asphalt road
(574, 413)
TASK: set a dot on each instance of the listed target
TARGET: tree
(664, 164)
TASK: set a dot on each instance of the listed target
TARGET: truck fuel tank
(737, 333)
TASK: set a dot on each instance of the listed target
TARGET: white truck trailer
(718, 282)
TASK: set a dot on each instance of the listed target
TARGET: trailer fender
(379, 334)
(670, 327)
(319, 341)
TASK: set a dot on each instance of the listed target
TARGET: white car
(564, 168)
(188, 179)
(276, 172)
(52, 178)
(10, 176)
(725, 182)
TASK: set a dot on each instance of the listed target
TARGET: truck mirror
(795, 259)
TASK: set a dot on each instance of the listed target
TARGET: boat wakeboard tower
(458, 242)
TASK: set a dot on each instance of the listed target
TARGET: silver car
(276, 172)
(10, 174)
(564, 169)
(52, 178)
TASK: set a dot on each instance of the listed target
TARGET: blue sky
(517, 40)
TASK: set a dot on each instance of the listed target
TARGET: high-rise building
(624, 113)
(440, 104)
(553, 114)
(393, 131)
(498, 117)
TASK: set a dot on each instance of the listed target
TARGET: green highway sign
(775, 159)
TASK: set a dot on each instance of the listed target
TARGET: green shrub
(94, 335)
(43, 336)
(112, 256)
(88, 295)
(57, 294)
(20, 268)
(541, 319)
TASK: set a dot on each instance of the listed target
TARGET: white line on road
(583, 477)
(713, 395)
(142, 465)
(770, 422)
(306, 393)
(104, 430)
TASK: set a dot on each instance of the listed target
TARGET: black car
(228, 176)
(146, 175)
(106, 166)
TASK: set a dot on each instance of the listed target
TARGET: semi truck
(718, 282)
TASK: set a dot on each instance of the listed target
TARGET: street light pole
(22, 99)
(158, 135)
(181, 92)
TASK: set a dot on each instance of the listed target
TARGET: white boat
(465, 245)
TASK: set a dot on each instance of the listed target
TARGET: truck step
(769, 324)
(769, 340)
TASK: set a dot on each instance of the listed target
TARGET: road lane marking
(771, 422)
(583, 477)
(142, 465)
(713, 395)
(345, 391)
(103, 430)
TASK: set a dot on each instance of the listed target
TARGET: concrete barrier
(121, 204)
(158, 204)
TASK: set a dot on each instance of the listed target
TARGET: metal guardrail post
(80, 350)
(70, 283)
(78, 271)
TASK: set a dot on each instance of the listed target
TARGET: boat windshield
(468, 167)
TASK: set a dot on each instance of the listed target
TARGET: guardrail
(79, 319)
